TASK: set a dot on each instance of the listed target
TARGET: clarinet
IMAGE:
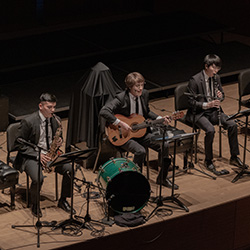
(216, 88)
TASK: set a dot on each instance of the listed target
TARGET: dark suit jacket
(121, 105)
(197, 85)
(29, 130)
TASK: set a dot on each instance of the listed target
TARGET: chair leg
(56, 185)
(12, 196)
(147, 162)
(27, 191)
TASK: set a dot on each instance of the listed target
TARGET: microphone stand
(39, 224)
(87, 217)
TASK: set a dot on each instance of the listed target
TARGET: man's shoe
(210, 166)
(236, 161)
(167, 183)
(63, 204)
(34, 211)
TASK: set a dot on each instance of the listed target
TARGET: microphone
(24, 142)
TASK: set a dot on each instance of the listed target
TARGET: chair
(11, 133)
(244, 88)
(181, 103)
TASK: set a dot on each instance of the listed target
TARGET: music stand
(245, 113)
(159, 199)
(67, 158)
(172, 197)
(39, 224)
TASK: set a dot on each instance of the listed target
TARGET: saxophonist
(204, 110)
(39, 129)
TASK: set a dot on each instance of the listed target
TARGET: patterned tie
(47, 132)
(136, 105)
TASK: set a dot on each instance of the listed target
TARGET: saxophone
(53, 151)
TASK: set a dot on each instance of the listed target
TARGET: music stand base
(108, 221)
(86, 219)
(240, 175)
(177, 202)
(68, 222)
(159, 202)
(191, 166)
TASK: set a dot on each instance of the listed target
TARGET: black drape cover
(91, 92)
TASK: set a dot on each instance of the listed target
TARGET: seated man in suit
(39, 129)
(134, 100)
(206, 109)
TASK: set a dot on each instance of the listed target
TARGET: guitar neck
(147, 124)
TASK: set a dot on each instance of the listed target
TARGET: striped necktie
(47, 132)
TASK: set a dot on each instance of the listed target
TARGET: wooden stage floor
(218, 216)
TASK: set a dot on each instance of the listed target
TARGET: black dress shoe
(63, 204)
(34, 211)
(167, 183)
(236, 161)
(210, 166)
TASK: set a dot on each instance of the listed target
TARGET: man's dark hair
(46, 97)
(212, 59)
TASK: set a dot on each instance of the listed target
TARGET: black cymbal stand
(159, 199)
(39, 224)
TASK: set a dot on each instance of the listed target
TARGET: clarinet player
(208, 110)
(39, 129)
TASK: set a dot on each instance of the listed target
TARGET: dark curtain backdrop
(92, 91)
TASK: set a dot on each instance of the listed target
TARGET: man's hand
(44, 159)
(219, 94)
(124, 126)
(214, 104)
(167, 119)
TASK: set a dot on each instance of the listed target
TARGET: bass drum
(127, 190)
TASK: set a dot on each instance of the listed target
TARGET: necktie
(136, 105)
(47, 132)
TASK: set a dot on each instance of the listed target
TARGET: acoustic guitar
(118, 136)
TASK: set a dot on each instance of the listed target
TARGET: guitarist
(134, 100)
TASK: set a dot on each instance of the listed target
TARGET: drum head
(129, 191)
